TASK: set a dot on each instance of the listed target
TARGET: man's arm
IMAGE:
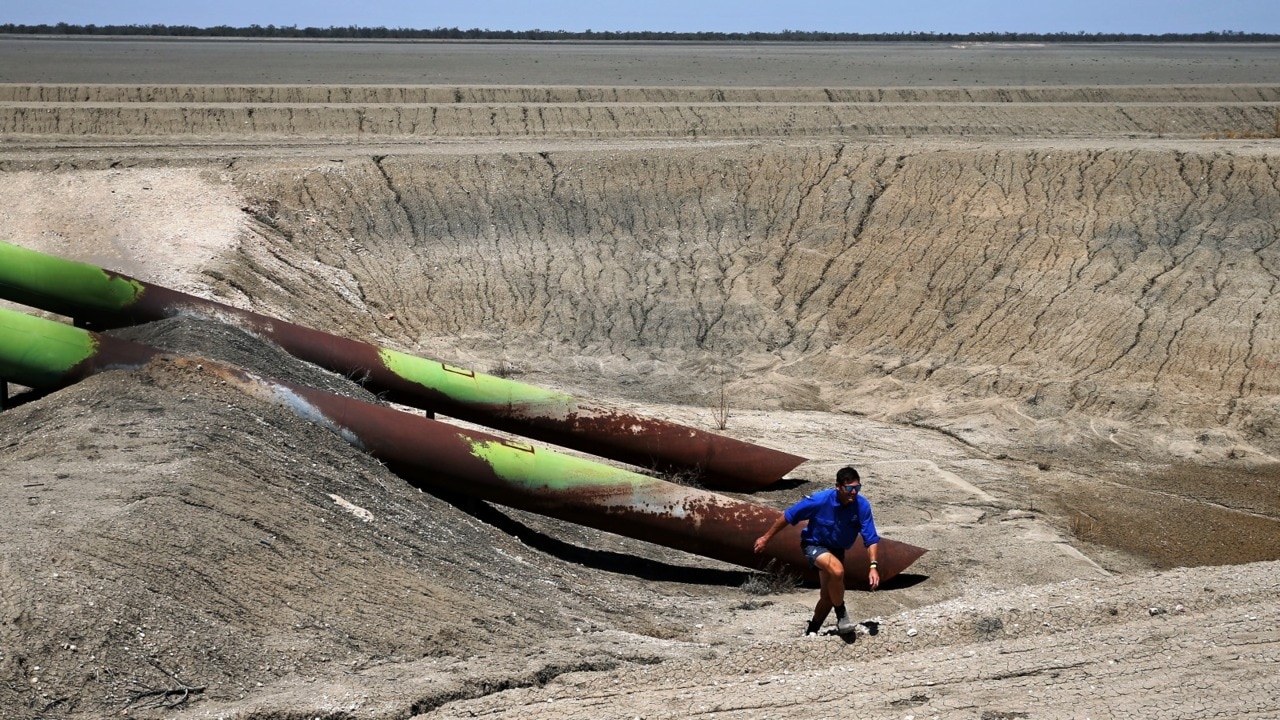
(871, 539)
(774, 529)
(873, 555)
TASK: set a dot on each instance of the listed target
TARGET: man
(836, 517)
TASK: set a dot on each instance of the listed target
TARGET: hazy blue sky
(1136, 16)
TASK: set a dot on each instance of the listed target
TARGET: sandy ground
(169, 534)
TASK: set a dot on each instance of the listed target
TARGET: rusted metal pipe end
(783, 554)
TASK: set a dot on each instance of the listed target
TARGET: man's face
(847, 491)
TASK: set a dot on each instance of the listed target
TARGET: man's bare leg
(831, 589)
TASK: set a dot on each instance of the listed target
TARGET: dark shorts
(814, 551)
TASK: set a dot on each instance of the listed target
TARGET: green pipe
(100, 298)
(40, 353)
(62, 286)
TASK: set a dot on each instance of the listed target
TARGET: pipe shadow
(901, 581)
(788, 484)
(22, 397)
(607, 560)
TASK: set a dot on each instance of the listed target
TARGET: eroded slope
(1133, 285)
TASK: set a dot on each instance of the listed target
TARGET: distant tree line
(353, 32)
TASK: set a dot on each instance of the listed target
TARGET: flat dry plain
(1030, 289)
(576, 64)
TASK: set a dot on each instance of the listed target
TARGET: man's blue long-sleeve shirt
(831, 524)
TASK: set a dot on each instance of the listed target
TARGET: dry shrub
(1248, 134)
(688, 477)
(772, 580)
(720, 410)
(1084, 526)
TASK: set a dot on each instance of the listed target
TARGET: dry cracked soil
(1030, 290)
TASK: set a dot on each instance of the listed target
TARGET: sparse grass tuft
(772, 580)
(689, 477)
(719, 397)
(720, 411)
(1084, 526)
(1273, 134)
(506, 369)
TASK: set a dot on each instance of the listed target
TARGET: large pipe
(44, 354)
(103, 299)
(432, 454)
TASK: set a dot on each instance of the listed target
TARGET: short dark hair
(847, 474)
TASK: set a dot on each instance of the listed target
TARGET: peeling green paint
(534, 469)
(38, 353)
(24, 272)
(469, 386)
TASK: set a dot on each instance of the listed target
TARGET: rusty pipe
(434, 454)
(105, 299)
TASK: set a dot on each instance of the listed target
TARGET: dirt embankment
(165, 532)
(367, 114)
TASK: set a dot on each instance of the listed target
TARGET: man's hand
(764, 539)
(873, 578)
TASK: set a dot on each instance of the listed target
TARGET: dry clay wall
(382, 122)
(381, 113)
(463, 94)
(913, 283)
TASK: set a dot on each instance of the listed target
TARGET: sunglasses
(852, 488)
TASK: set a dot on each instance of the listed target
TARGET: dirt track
(1041, 313)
